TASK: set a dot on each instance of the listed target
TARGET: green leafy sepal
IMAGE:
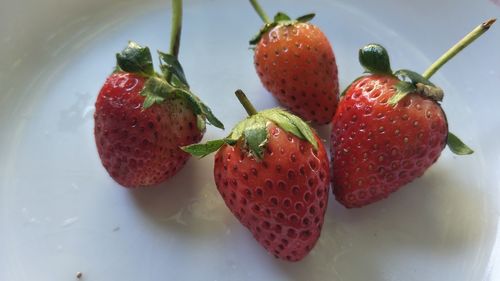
(412, 82)
(457, 146)
(375, 59)
(253, 132)
(135, 59)
(280, 19)
(170, 84)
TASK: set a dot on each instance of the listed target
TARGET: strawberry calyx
(252, 131)
(158, 88)
(280, 19)
(171, 83)
(375, 60)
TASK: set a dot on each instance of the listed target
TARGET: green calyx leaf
(255, 135)
(135, 59)
(280, 19)
(253, 132)
(254, 129)
(204, 149)
(457, 146)
(198, 107)
(292, 124)
(403, 88)
(412, 76)
(172, 83)
(375, 59)
(411, 81)
(171, 68)
(155, 90)
(306, 18)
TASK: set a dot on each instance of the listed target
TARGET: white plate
(60, 213)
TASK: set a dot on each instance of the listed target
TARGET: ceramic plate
(60, 213)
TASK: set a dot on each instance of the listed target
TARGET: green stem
(256, 6)
(464, 42)
(245, 102)
(175, 35)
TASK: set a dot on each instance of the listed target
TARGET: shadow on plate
(436, 217)
(188, 203)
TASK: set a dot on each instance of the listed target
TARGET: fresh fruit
(389, 128)
(295, 62)
(142, 118)
(273, 174)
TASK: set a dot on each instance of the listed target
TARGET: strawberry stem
(245, 102)
(464, 42)
(256, 6)
(175, 35)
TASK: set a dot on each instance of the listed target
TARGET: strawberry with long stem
(390, 127)
(296, 63)
(142, 117)
(272, 171)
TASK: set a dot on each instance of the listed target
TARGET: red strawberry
(273, 174)
(143, 117)
(379, 147)
(389, 128)
(295, 62)
(141, 147)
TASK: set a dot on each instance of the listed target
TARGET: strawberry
(273, 174)
(388, 130)
(142, 118)
(296, 63)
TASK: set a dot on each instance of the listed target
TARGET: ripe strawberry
(273, 174)
(389, 127)
(379, 147)
(143, 117)
(295, 62)
(140, 147)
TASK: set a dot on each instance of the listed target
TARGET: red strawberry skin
(281, 199)
(140, 147)
(297, 65)
(377, 148)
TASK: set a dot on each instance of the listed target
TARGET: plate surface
(60, 213)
